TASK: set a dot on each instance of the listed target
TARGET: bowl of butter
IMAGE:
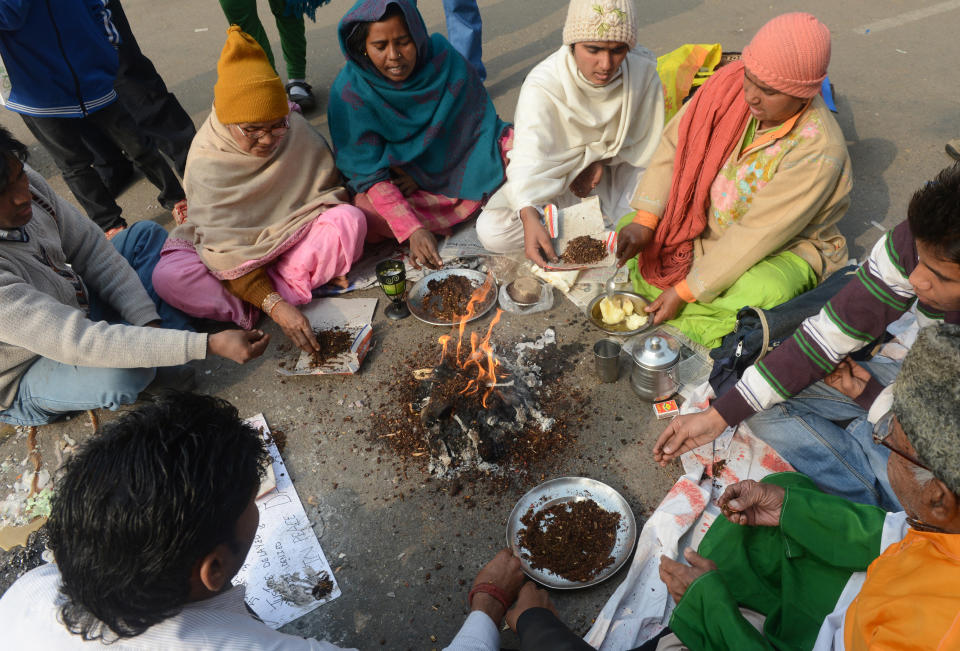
(619, 314)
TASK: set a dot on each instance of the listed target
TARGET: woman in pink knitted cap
(740, 202)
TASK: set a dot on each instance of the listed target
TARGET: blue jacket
(60, 56)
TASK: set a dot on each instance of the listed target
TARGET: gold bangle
(270, 302)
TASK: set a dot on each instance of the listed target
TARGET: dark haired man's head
(934, 216)
(15, 200)
(11, 149)
(156, 512)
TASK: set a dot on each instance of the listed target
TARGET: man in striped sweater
(918, 262)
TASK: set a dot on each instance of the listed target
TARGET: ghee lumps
(620, 309)
(635, 321)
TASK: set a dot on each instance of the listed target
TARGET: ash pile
(477, 407)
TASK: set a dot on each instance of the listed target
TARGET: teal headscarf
(439, 125)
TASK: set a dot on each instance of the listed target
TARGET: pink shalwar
(327, 248)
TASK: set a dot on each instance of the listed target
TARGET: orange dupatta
(708, 133)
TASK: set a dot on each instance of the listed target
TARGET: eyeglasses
(881, 434)
(277, 130)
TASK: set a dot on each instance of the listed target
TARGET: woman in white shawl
(588, 119)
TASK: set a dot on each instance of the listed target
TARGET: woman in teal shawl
(413, 129)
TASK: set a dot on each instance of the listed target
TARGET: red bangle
(491, 590)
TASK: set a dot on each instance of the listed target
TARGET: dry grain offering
(333, 342)
(573, 539)
(447, 298)
(584, 250)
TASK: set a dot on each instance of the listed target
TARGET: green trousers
(793, 574)
(772, 281)
(293, 39)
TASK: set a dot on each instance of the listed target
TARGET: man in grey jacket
(78, 326)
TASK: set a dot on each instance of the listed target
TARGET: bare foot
(339, 281)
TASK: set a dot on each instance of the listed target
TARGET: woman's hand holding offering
(295, 326)
(536, 240)
(423, 250)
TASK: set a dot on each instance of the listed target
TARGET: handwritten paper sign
(286, 573)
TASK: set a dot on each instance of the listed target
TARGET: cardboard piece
(584, 218)
(354, 315)
(286, 572)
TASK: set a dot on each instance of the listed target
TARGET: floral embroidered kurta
(782, 191)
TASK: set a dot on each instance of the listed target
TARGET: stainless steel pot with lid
(655, 359)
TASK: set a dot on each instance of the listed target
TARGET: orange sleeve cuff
(647, 219)
(683, 291)
(252, 287)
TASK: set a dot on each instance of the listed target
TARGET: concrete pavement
(401, 560)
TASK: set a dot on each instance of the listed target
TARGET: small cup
(606, 356)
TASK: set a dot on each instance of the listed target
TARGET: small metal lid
(657, 351)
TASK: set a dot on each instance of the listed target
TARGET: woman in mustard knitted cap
(740, 202)
(415, 132)
(268, 219)
(587, 121)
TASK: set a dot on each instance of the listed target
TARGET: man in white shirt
(150, 523)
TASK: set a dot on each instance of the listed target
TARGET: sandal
(301, 93)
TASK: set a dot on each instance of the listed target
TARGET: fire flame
(481, 359)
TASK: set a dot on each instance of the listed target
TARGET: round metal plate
(639, 302)
(419, 291)
(567, 489)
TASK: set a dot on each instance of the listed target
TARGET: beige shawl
(563, 123)
(243, 210)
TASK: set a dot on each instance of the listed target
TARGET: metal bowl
(417, 293)
(639, 302)
(567, 489)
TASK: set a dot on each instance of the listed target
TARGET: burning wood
(477, 411)
(471, 405)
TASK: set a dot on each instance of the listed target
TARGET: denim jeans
(841, 460)
(464, 28)
(51, 389)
